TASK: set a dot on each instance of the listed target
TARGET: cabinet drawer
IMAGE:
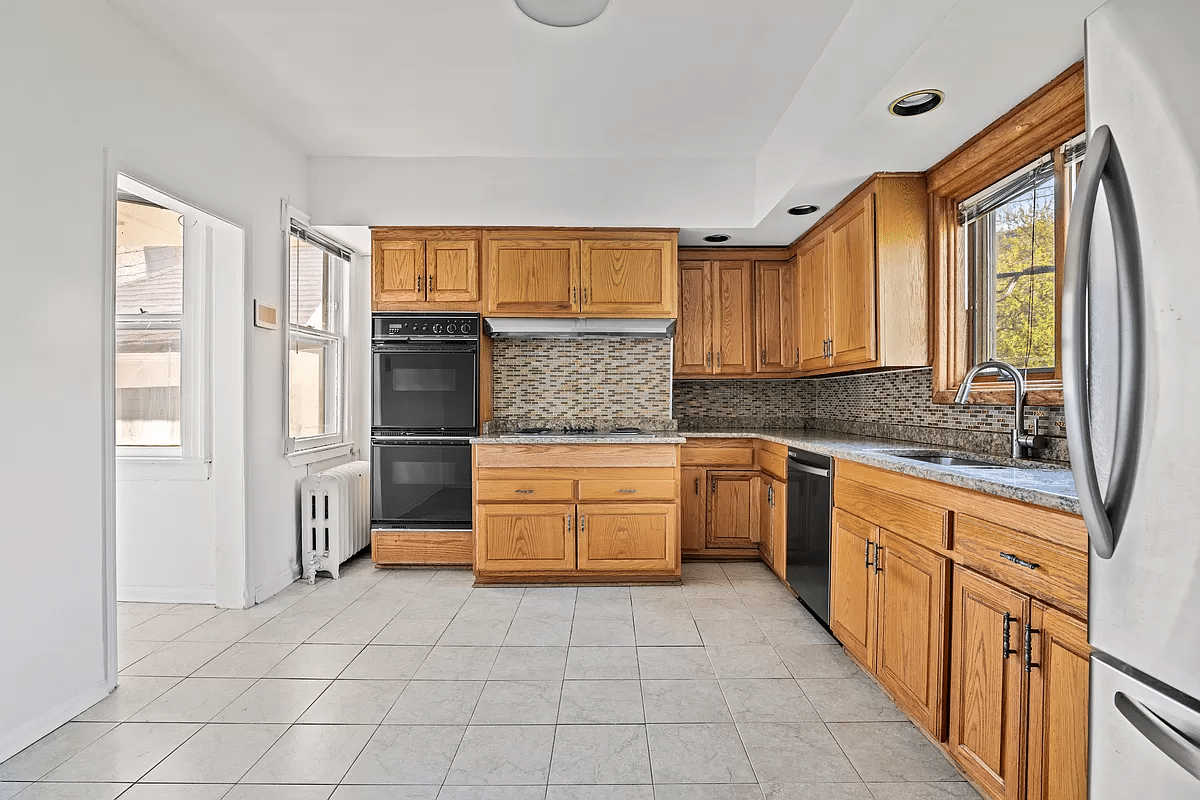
(517, 491)
(773, 463)
(626, 490)
(919, 522)
(1050, 572)
(718, 453)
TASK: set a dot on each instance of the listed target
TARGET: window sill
(983, 396)
(315, 454)
(131, 468)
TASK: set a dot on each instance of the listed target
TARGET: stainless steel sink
(945, 459)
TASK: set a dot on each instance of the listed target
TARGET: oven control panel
(425, 326)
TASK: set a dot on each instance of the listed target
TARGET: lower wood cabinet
(732, 510)
(1019, 693)
(888, 607)
(520, 538)
(635, 536)
(772, 523)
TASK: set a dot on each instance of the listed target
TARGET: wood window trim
(1043, 121)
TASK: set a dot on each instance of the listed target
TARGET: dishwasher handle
(805, 468)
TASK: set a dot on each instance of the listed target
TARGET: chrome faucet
(1022, 442)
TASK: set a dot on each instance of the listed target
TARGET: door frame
(228, 301)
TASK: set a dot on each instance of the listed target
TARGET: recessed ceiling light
(915, 103)
(717, 238)
(562, 13)
(800, 211)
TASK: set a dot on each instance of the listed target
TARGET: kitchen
(750, 486)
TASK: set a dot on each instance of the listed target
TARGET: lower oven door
(421, 484)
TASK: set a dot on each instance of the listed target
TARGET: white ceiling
(700, 114)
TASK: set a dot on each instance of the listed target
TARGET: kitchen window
(161, 271)
(1013, 236)
(316, 322)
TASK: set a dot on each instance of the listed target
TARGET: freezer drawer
(1144, 743)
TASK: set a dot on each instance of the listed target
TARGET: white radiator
(335, 517)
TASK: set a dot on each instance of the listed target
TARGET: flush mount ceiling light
(717, 238)
(914, 103)
(562, 13)
(800, 211)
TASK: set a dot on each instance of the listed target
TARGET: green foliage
(1025, 281)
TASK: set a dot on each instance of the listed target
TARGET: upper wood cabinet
(864, 280)
(627, 278)
(415, 269)
(714, 335)
(775, 316)
(576, 273)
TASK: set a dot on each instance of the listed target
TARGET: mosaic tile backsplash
(573, 379)
(894, 405)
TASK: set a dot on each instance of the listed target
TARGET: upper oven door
(426, 387)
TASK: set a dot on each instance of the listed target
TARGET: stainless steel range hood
(578, 328)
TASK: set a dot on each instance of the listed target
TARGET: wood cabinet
(852, 585)
(580, 273)
(415, 269)
(713, 335)
(576, 513)
(772, 524)
(732, 510)
(693, 508)
(864, 282)
(775, 317)
(1058, 706)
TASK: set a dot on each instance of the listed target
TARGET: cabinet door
(452, 270)
(852, 285)
(533, 276)
(398, 271)
(524, 538)
(852, 586)
(732, 509)
(987, 684)
(814, 304)
(633, 537)
(914, 598)
(779, 525)
(693, 331)
(732, 337)
(693, 498)
(627, 278)
(1058, 706)
(766, 520)
(775, 316)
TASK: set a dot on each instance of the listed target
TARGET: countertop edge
(867, 450)
(514, 438)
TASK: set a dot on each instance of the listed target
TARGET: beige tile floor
(411, 684)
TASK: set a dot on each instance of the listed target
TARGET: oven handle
(385, 440)
(463, 347)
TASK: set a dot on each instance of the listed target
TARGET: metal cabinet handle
(697, 487)
(1104, 512)
(627, 491)
(429, 282)
(764, 355)
(718, 359)
(574, 295)
(1020, 562)
(771, 495)
(582, 523)
(570, 517)
(878, 568)
(867, 555)
(1174, 743)
(1029, 632)
(714, 485)
(523, 491)
(418, 283)
(797, 361)
(1009, 619)
(585, 295)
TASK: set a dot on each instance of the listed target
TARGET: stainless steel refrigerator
(1131, 352)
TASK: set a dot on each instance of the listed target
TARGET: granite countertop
(665, 437)
(1047, 485)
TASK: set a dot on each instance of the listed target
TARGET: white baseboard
(276, 583)
(205, 595)
(14, 740)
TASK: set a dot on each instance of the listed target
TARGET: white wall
(79, 78)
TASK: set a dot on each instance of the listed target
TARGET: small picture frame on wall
(266, 315)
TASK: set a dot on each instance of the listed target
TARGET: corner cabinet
(580, 273)
(576, 513)
(776, 332)
(421, 269)
(864, 280)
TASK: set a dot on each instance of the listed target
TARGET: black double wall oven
(425, 409)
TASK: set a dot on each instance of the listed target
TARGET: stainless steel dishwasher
(810, 506)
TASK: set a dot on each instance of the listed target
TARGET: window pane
(148, 384)
(310, 281)
(311, 405)
(149, 259)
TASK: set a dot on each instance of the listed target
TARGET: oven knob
(451, 328)
(437, 328)
(466, 327)
(424, 327)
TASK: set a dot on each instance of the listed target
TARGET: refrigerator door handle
(1104, 518)
(1173, 743)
